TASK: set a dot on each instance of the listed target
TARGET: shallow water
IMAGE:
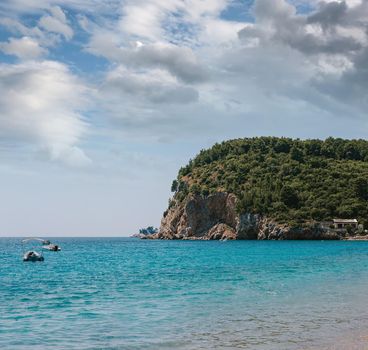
(135, 294)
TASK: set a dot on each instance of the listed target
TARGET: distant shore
(194, 238)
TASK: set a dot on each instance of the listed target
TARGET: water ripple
(132, 294)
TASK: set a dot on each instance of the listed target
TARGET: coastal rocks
(248, 226)
(270, 230)
(215, 218)
(221, 232)
(200, 218)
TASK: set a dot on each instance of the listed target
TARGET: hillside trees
(290, 180)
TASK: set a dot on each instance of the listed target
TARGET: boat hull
(33, 257)
(52, 248)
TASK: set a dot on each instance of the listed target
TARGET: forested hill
(292, 181)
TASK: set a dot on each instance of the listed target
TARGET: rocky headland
(270, 188)
(215, 218)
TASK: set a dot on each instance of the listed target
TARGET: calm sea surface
(135, 294)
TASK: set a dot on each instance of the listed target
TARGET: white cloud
(56, 22)
(217, 32)
(155, 86)
(170, 21)
(16, 27)
(36, 6)
(52, 26)
(197, 10)
(58, 13)
(143, 20)
(40, 105)
(24, 47)
(285, 65)
(181, 63)
(330, 42)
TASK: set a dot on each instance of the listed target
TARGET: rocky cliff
(214, 217)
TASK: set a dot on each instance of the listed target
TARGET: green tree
(296, 153)
(361, 188)
(174, 186)
(289, 196)
(195, 188)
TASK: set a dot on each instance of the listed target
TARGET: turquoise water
(136, 294)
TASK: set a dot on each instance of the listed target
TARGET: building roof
(345, 221)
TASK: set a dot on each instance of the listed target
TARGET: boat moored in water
(33, 256)
(51, 247)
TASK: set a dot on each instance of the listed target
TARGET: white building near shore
(342, 224)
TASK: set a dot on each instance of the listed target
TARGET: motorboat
(33, 256)
(51, 247)
(47, 245)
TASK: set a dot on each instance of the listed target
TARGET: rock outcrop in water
(215, 218)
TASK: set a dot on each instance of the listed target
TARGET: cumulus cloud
(185, 63)
(24, 47)
(168, 32)
(329, 14)
(180, 62)
(148, 77)
(277, 22)
(331, 42)
(154, 86)
(144, 19)
(282, 61)
(40, 105)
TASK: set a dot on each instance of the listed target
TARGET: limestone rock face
(221, 232)
(199, 217)
(270, 230)
(248, 226)
(215, 217)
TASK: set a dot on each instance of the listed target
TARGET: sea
(126, 293)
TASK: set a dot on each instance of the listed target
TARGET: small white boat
(51, 247)
(33, 256)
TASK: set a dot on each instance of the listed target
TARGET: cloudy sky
(101, 101)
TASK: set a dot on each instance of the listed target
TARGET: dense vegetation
(290, 180)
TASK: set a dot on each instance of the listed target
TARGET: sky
(102, 101)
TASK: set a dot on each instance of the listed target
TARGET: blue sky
(102, 101)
